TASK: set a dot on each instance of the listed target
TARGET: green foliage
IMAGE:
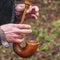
(57, 44)
(45, 31)
(45, 1)
(56, 23)
(45, 46)
(49, 37)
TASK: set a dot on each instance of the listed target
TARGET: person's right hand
(32, 12)
(14, 32)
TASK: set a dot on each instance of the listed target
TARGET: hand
(32, 12)
(14, 32)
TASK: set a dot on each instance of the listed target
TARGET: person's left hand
(32, 12)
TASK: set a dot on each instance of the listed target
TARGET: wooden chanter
(31, 45)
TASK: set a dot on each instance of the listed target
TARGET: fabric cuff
(3, 39)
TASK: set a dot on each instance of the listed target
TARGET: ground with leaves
(46, 30)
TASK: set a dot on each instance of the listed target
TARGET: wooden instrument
(31, 45)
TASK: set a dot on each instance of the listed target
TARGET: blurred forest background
(46, 30)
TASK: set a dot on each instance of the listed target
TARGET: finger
(18, 40)
(37, 14)
(18, 13)
(34, 16)
(33, 9)
(20, 7)
(16, 35)
(23, 31)
(36, 8)
(22, 26)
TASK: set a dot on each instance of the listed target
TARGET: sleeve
(0, 37)
(3, 39)
(0, 40)
(6, 7)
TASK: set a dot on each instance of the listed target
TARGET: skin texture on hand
(32, 12)
(14, 32)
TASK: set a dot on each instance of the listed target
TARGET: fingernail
(29, 26)
(31, 30)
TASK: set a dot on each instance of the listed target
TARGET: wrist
(3, 39)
